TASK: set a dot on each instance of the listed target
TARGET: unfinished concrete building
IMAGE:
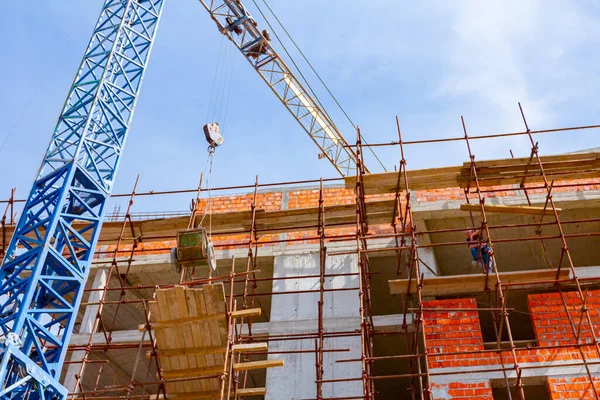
(354, 288)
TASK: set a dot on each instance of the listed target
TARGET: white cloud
(536, 52)
(485, 60)
(504, 52)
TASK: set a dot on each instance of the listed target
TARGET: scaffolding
(113, 303)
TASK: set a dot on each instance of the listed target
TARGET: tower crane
(48, 260)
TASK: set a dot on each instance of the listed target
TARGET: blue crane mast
(43, 275)
(234, 21)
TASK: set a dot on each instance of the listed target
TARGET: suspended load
(195, 249)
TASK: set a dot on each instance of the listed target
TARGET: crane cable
(312, 92)
(315, 72)
(214, 83)
(227, 87)
(208, 205)
(215, 103)
(217, 111)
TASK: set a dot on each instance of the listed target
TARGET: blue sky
(428, 62)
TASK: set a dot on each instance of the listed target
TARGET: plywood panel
(191, 331)
(190, 325)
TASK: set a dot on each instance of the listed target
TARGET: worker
(480, 252)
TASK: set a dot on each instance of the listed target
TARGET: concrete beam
(561, 368)
(451, 208)
(390, 323)
(162, 262)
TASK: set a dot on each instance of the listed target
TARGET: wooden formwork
(191, 329)
(190, 325)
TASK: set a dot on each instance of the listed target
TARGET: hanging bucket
(194, 249)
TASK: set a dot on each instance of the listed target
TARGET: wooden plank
(252, 365)
(194, 351)
(172, 362)
(249, 347)
(221, 307)
(197, 340)
(493, 173)
(533, 174)
(209, 359)
(260, 391)
(238, 222)
(183, 321)
(474, 283)
(178, 310)
(160, 337)
(496, 171)
(213, 329)
(249, 312)
(191, 372)
(193, 340)
(524, 160)
(576, 165)
(422, 179)
(169, 334)
(530, 179)
(188, 339)
(509, 209)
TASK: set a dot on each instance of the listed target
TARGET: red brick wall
(573, 388)
(451, 331)
(301, 198)
(551, 322)
(458, 331)
(268, 201)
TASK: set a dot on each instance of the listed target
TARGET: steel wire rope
(221, 81)
(317, 74)
(209, 109)
(292, 60)
(208, 205)
(310, 89)
(226, 86)
(228, 92)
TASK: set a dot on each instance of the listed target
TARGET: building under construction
(360, 287)
(353, 288)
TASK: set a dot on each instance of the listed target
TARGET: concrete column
(87, 324)
(428, 263)
(427, 260)
(340, 311)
